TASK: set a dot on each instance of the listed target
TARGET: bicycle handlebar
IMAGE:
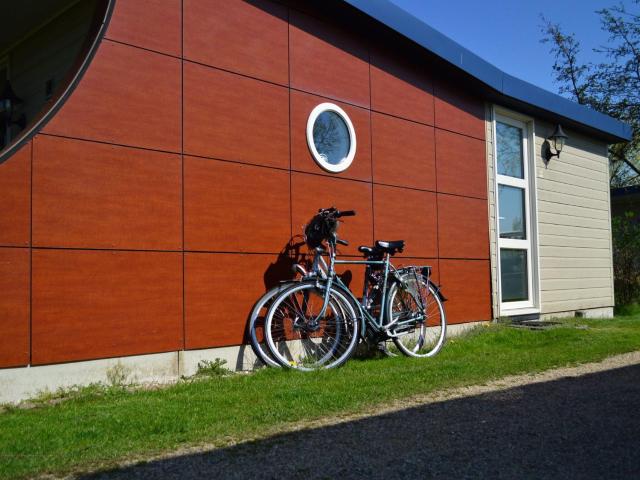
(347, 213)
(335, 213)
(323, 226)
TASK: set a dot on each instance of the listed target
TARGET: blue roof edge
(511, 87)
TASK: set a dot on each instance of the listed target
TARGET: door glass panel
(509, 150)
(512, 215)
(513, 275)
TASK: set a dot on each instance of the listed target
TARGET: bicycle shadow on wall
(295, 252)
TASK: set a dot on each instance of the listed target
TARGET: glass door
(513, 211)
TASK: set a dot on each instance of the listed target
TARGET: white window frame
(528, 183)
(320, 160)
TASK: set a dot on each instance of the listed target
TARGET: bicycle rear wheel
(418, 332)
(299, 338)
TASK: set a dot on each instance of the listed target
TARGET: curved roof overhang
(499, 86)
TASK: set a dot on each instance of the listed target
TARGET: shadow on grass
(582, 427)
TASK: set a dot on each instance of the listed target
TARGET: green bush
(215, 368)
(626, 258)
(630, 310)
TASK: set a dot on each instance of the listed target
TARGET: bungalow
(159, 159)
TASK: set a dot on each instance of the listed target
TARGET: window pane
(512, 217)
(513, 273)
(331, 137)
(509, 150)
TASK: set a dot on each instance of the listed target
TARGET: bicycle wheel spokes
(300, 337)
(418, 332)
(257, 322)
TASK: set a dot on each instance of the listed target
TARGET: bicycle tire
(255, 325)
(422, 339)
(305, 342)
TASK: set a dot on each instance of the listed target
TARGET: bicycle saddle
(381, 246)
(390, 246)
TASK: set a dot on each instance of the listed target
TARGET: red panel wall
(178, 171)
(15, 191)
(14, 306)
(94, 195)
(94, 304)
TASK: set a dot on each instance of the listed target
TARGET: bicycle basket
(319, 229)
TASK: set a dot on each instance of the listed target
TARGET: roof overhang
(503, 88)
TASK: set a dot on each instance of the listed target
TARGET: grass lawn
(101, 427)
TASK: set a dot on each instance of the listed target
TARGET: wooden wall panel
(403, 153)
(94, 304)
(230, 117)
(463, 227)
(232, 207)
(458, 111)
(152, 24)
(327, 61)
(301, 159)
(15, 195)
(466, 284)
(97, 304)
(311, 192)
(401, 261)
(128, 96)
(244, 37)
(461, 164)
(220, 290)
(14, 307)
(93, 195)
(400, 89)
(409, 215)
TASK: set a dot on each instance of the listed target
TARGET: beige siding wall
(574, 223)
(491, 188)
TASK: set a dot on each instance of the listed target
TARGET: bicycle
(255, 324)
(316, 322)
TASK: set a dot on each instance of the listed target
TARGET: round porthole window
(331, 137)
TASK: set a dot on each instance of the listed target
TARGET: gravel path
(577, 422)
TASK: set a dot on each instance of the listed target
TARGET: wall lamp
(557, 140)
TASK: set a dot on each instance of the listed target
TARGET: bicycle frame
(377, 324)
(367, 318)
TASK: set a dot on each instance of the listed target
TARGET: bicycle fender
(436, 288)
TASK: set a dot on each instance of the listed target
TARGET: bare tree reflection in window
(512, 212)
(509, 150)
(331, 137)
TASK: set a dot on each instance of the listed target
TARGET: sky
(506, 33)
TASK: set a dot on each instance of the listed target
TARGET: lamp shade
(558, 137)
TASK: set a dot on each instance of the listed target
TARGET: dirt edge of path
(504, 383)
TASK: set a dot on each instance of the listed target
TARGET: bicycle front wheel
(420, 322)
(256, 324)
(300, 338)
